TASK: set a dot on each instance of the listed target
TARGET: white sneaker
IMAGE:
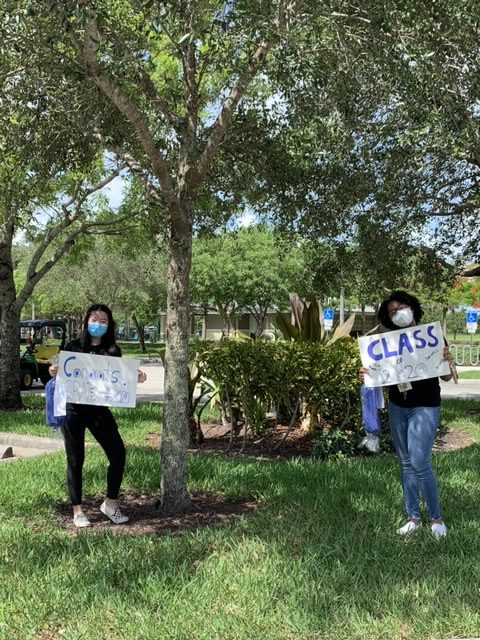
(410, 527)
(115, 515)
(81, 520)
(439, 530)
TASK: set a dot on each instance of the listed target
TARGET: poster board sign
(403, 355)
(98, 380)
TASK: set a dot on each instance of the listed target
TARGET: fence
(466, 354)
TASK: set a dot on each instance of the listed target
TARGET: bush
(257, 375)
(335, 444)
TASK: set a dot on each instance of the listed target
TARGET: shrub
(335, 444)
(256, 376)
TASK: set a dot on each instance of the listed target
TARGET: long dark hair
(404, 298)
(107, 341)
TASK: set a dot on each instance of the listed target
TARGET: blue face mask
(97, 330)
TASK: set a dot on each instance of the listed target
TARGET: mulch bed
(217, 438)
(298, 444)
(146, 518)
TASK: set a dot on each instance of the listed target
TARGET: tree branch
(284, 18)
(79, 197)
(146, 83)
(188, 54)
(115, 94)
(34, 277)
(127, 158)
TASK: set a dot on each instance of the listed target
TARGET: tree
(404, 108)
(420, 147)
(216, 277)
(50, 181)
(253, 269)
(40, 202)
(270, 267)
(126, 274)
(170, 117)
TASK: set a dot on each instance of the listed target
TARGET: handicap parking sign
(328, 318)
(472, 316)
(328, 314)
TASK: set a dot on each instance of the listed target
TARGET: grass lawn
(133, 350)
(463, 338)
(470, 375)
(318, 559)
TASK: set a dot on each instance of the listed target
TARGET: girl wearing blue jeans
(414, 416)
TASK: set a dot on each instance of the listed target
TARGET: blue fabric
(97, 330)
(413, 431)
(52, 420)
(372, 401)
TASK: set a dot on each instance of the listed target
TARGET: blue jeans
(413, 431)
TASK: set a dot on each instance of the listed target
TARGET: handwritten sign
(98, 380)
(404, 355)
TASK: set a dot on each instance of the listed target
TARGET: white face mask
(403, 317)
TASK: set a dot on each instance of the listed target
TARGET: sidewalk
(152, 390)
(23, 446)
(465, 389)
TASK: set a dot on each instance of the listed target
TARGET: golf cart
(40, 340)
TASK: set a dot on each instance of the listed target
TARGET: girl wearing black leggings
(98, 337)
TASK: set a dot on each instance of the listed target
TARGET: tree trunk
(444, 321)
(175, 436)
(140, 333)
(309, 421)
(261, 322)
(9, 336)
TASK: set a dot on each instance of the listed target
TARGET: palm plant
(307, 323)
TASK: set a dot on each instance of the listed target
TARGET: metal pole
(342, 305)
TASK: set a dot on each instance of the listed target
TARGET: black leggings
(104, 429)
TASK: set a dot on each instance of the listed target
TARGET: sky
(114, 192)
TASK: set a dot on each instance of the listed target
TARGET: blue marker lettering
(69, 375)
(370, 348)
(404, 343)
(420, 343)
(432, 335)
(388, 354)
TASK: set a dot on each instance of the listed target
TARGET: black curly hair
(403, 298)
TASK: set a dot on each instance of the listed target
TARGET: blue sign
(328, 314)
(472, 316)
